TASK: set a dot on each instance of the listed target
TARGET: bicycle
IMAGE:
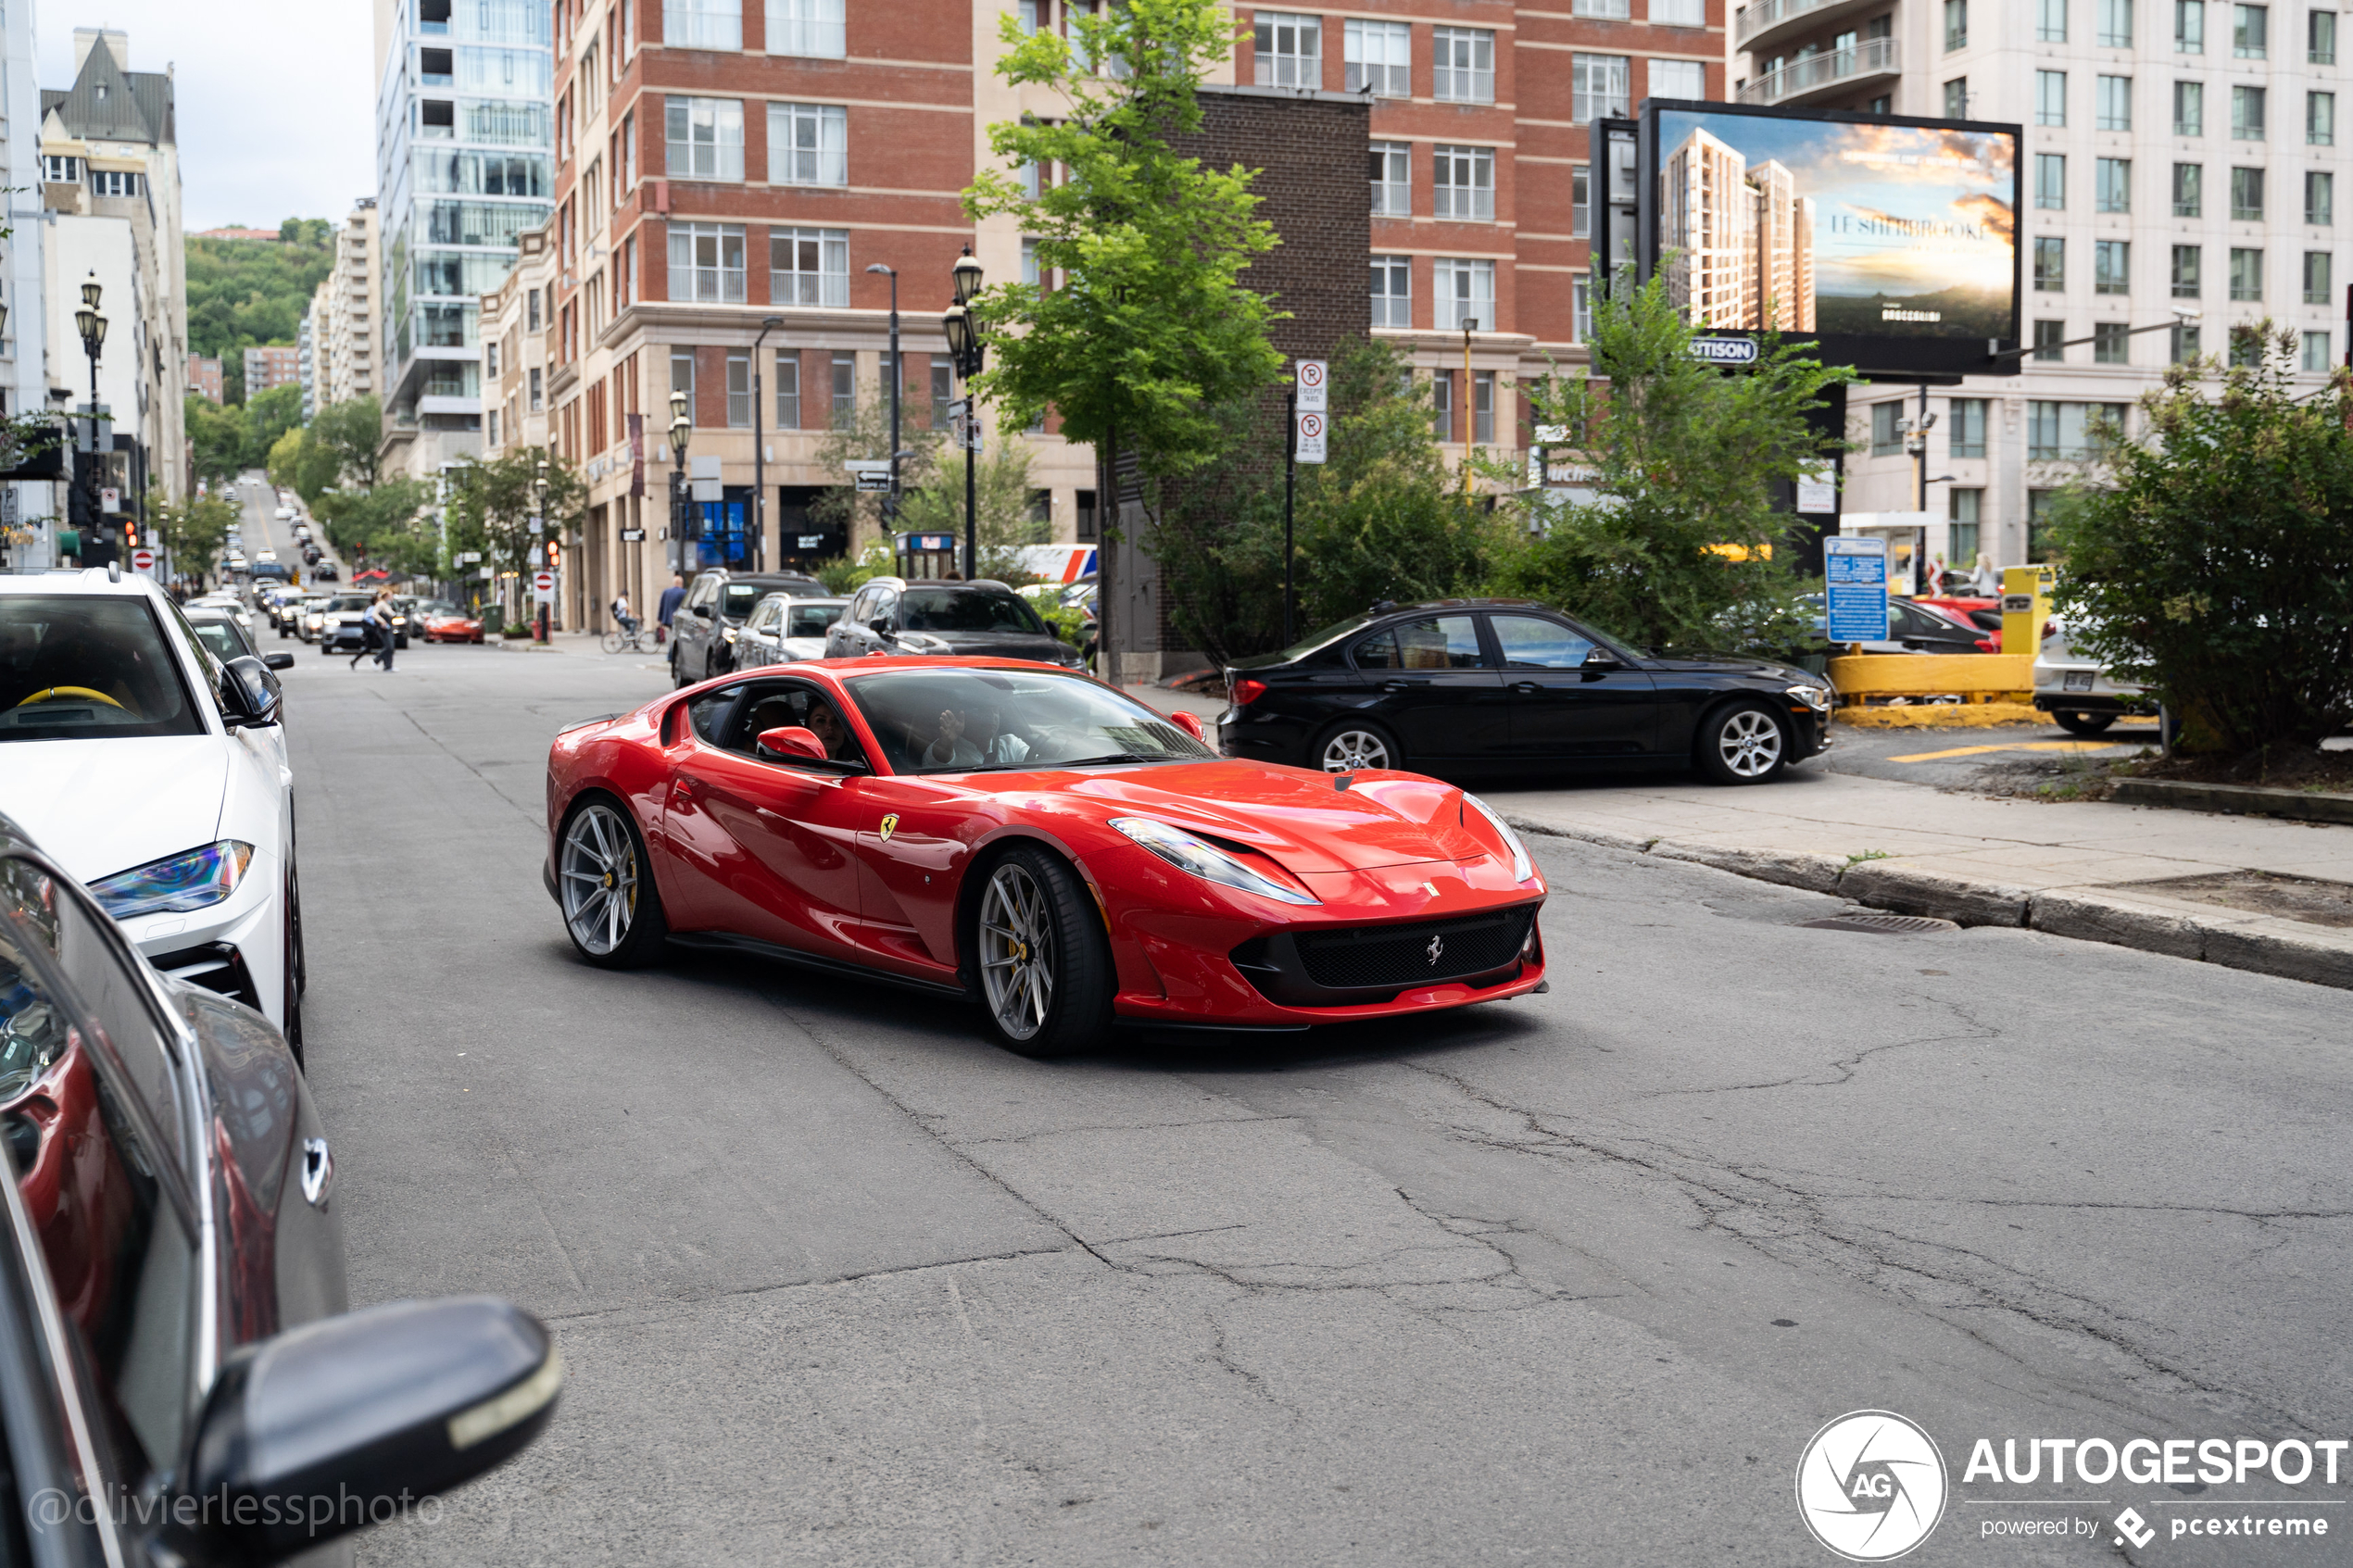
(631, 641)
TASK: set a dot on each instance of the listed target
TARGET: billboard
(1891, 240)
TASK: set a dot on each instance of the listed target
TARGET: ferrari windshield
(967, 609)
(962, 720)
(87, 667)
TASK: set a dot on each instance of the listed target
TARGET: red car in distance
(452, 626)
(1028, 838)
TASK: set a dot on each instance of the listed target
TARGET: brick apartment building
(274, 365)
(203, 376)
(720, 162)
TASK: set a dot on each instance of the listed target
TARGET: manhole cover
(1883, 925)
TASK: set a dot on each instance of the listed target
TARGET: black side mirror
(350, 1421)
(249, 692)
(703, 610)
(1600, 658)
(880, 626)
(278, 660)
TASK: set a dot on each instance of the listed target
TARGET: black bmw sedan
(1458, 686)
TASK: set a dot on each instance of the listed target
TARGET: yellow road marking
(2014, 745)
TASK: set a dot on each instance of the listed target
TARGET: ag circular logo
(1870, 1486)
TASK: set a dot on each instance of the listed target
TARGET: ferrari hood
(99, 807)
(1300, 818)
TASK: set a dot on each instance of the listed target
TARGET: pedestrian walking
(672, 597)
(380, 616)
(367, 637)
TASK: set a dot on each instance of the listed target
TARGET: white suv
(157, 777)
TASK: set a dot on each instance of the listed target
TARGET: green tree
(1002, 523)
(193, 532)
(270, 415)
(2207, 559)
(493, 508)
(384, 527)
(1682, 547)
(244, 293)
(864, 436)
(338, 446)
(216, 438)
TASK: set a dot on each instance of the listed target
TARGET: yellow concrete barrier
(1973, 677)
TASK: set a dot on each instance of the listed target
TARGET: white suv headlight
(193, 880)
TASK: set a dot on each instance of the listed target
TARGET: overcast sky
(276, 97)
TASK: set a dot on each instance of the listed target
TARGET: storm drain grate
(1882, 925)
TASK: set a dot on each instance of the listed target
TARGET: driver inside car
(975, 742)
(826, 725)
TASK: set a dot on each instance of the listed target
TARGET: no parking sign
(1311, 436)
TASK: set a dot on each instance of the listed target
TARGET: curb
(2121, 918)
(2235, 800)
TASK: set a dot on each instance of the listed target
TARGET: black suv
(702, 634)
(982, 619)
(1510, 685)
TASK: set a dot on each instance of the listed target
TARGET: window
(1580, 200)
(2250, 31)
(2319, 118)
(2189, 26)
(1440, 643)
(1392, 179)
(2320, 38)
(1029, 272)
(707, 262)
(1602, 10)
(113, 183)
(787, 389)
(2115, 103)
(2050, 264)
(809, 28)
(2246, 113)
(1887, 428)
(2112, 265)
(2189, 108)
(682, 378)
(808, 145)
(1580, 311)
(2246, 347)
(2246, 195)
(2316, 277)
(740, 389)
(1678, 79)
(2183, 346)
(1528, 643)
(2247, 274)
(706, 138)
(2049, 339)
(537, 403)
(1966, 436)
(2115, 24)
(2316, 352)
(2050, 97)
(1957, 98)
(2319, 197)
(2050, 180)
(2111, 346)
(1956, 25)
(2050, 20)
(2039, 504)
(1392, 291)
(1462, 182)
(2189, 190)
(2060, 432)
(1965, 508)
(2113, 184)
(1679, 13)
(808, 266)
(702, 24)
(1289, 50)
(1484, 408)
(60, 170)
(2189, 271)
(1466, 290)
(1598, 86)
(845, 368)
(1379, 57)
(943, 391)
(1464, 60)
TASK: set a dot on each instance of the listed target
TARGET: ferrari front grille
(1401, 955)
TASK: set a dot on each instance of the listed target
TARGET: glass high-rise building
(464, 140)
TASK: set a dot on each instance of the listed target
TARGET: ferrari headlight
(1522, 867)
(192, 881)
(1188, 852)
(1815, 697)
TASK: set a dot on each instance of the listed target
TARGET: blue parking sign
(1854, 572)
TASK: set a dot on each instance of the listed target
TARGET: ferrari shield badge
(888, 823)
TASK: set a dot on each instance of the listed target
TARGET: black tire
(291, 1005)
(1036, 928)
(2085, 724)
(678, 676)
(605, 887)
(1355, 744)
(1741, 743)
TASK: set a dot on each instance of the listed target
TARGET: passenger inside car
(796, 709)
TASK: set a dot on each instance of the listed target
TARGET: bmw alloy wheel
(1749, 742)
(600, 874)
(1349, 751)
(1017, 951)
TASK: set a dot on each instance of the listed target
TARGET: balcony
(1763, 24)
(1876, 62)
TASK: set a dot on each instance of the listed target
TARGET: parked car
(2081, 697)
(983, 618)
(452, 625)
(325, 571)
(156, 774)
(225, 637)
(1912, 627)
(703, 630)
(270, 571)
(1458, 686)
(177, 1327)
(783, 630)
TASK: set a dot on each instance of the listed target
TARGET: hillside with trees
(247, 292)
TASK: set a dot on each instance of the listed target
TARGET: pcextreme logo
(1870, 1486)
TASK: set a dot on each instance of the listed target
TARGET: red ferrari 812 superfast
(1033, 840)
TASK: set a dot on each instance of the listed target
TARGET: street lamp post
(898, 380)
(682, 430)
(93, 328)
(964, 353)
(760, 457)
(539, 517)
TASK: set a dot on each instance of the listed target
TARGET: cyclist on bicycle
(627, 622)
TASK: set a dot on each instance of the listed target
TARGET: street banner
(1854, 568)
(1310, 445)
(637, 455)
(1313, 374)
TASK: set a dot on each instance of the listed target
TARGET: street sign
(1725, 350)
(543, 586)
(872, 482)
(1818, 492)
(812, 541)
(109, 499)
(1854, 567)
(143, 560)
(1310, 445)
(1312, 376)
(487, 574)
(633, 535)
(469, 557)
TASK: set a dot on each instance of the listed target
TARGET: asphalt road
(1572, 1279)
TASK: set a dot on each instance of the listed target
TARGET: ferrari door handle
(1527, 688)
(683, 792)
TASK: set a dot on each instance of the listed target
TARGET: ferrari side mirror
(792, 740)
(1190, 723)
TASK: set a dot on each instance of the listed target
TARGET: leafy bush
(2209, 560)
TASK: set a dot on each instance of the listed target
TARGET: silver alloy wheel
(1017, 951)
(1749, 742)
(599, 878)
(1353, 750)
